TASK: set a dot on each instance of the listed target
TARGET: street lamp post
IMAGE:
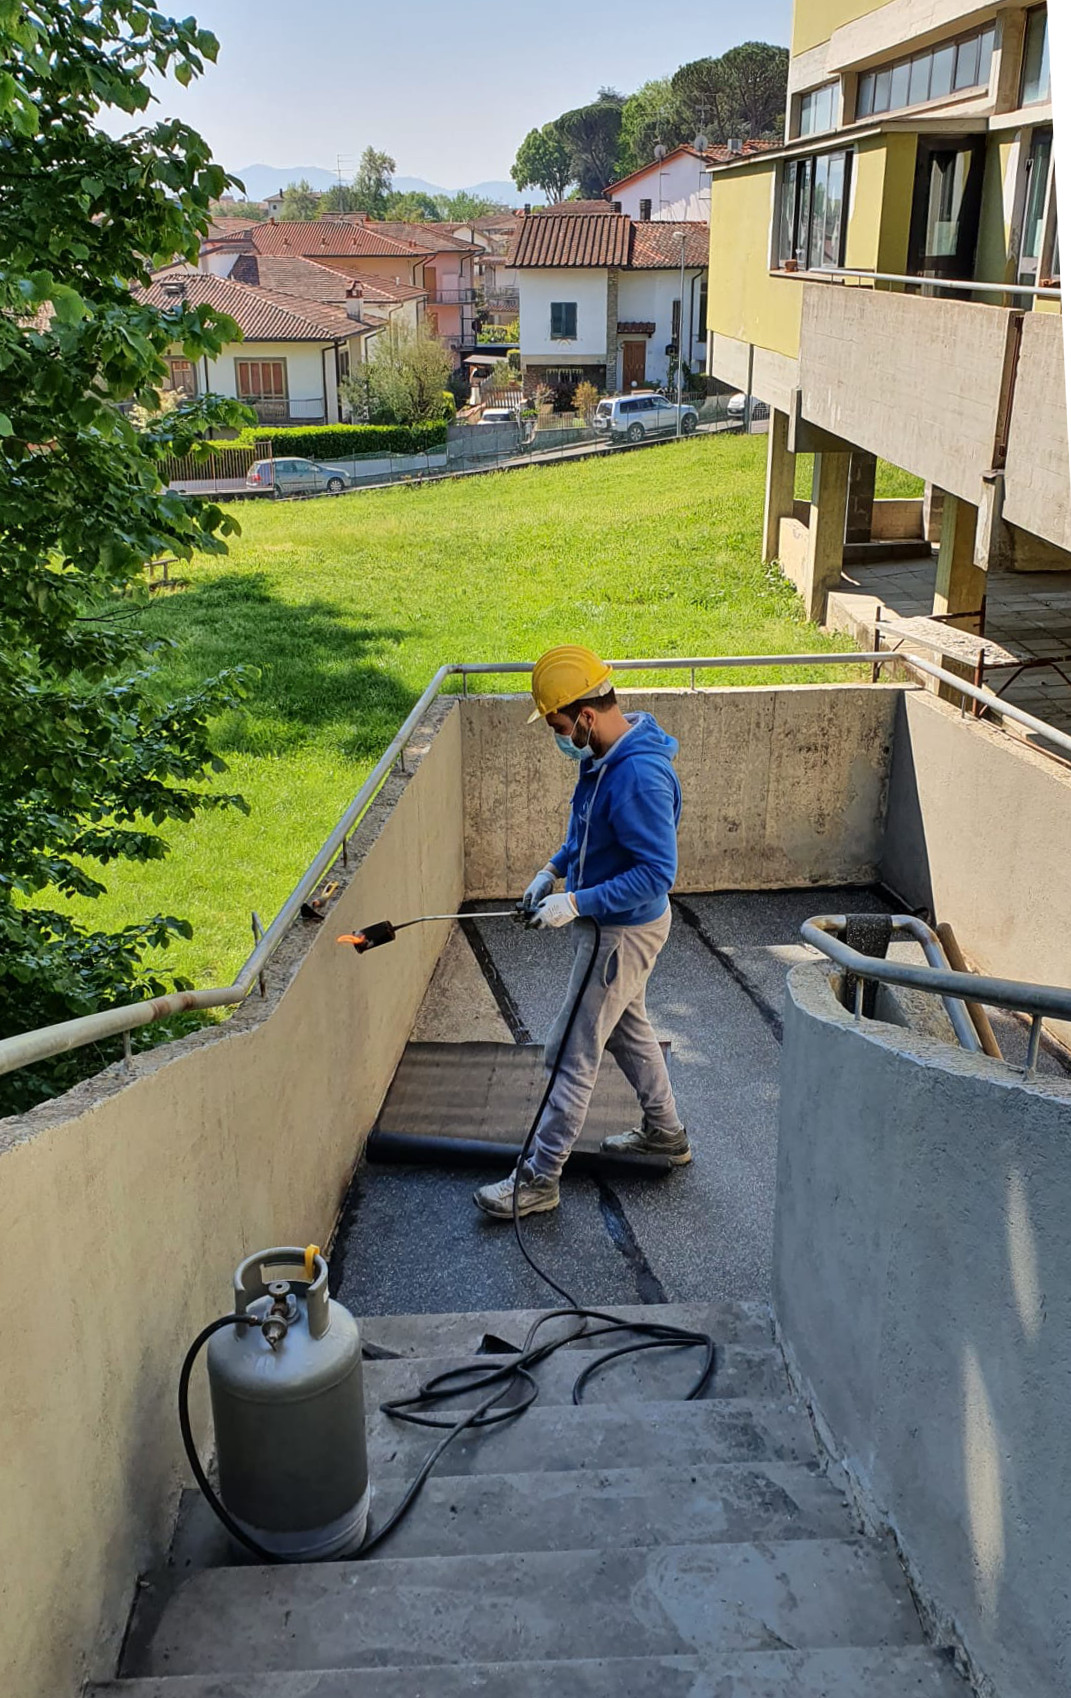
(682, 236)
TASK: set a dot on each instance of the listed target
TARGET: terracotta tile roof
(574, 239)
(432, 237)
(605, 238)
(723, 155)
(260, 316)
(328, 236)
(717, 155)
(656, 247)
(290, 275)
(635, 327)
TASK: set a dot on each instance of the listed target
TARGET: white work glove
(554, 911)
(541, 886)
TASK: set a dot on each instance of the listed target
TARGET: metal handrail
(1039, 1001)
(25, 1048)
(1040, 291)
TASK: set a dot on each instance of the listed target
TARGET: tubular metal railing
(1041, 1002)
(25, 1048)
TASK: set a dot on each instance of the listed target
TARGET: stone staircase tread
(699, 1600)
(655, 1375)
(566, 1437)
(907, 1672)
(460, 1334)
(730, 1503)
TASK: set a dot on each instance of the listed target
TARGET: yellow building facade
(887, 282)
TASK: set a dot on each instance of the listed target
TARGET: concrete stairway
(632, 1547)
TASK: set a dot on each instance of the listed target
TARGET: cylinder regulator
(288, 1410)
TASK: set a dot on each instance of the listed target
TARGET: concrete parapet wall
(977, 830)
(917, 381)
(783, 786)
(897, 519)
(126, 1204)
(1037, 479)
(922, 1287)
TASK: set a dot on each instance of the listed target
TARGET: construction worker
(618, 861)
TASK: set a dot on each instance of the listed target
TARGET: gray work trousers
(613, 1016)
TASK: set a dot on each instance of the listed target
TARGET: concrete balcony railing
(948, 389)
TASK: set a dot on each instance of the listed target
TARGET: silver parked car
(630, 418)
(297, 477)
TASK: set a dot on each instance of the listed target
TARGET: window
(563, 321)
(1039, 250)
(261, 380)
(952, 67)
(812, 212)
(645, 212)
(675, 322)
(1036, 85)
(701, 333)
(182, 375)
(816, 109)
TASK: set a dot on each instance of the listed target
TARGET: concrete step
(911, 1672)
(460, 1335)
(566, 1437)
(698, 1600)
(654, 1375)
(602, 1508)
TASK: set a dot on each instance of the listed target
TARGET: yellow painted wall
(745, 301)
(991, 265)
(815, 20)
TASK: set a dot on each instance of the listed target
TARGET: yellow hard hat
(564, 675)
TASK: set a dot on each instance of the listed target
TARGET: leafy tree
(300, 203)
(544, 161)
(403, 382)
(340, 197)
(372, 182)
(412, 207)
(94, 758)
(655, 113)
(741, 94)
(247, 209)
(592, 135)
(463, 207)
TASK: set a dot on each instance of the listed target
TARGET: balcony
(948, 389)
(452, 297)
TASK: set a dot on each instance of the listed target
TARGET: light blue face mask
(569, 748)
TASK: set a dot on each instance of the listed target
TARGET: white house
(677, 186)
(604, 297)
(292, 355)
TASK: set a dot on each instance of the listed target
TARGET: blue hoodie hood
(619, 857)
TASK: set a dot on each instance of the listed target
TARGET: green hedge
(338, 442)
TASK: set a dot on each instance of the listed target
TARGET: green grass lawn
(891, 483)
(348, 606)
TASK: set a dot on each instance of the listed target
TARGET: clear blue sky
(448, 91)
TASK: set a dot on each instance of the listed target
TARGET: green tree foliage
(340, 197)
(250, 210)
(411, 207)
(544, 161)
(655, 113)
(93, 759)
(300, 203)
(462, 207)
(741, 94)
(592, 135)
(373, 181)
(403, 382)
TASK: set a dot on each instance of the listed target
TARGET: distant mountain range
(262, 180)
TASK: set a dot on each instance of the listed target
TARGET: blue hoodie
(629, 802)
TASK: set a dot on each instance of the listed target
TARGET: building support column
(780, 484)
(825, 535)
(961, 585)
(932, 507)
(861, 478)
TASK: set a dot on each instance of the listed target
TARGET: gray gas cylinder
(288, 1410)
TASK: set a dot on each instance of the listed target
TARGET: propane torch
(385, 931)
